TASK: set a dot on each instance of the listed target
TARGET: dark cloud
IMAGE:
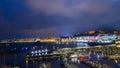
(33, 18)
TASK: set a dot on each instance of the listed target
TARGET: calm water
(19, 58)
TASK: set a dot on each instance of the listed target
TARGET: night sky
(45, 18)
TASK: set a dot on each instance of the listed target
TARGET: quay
(44, 57)
(95, 64)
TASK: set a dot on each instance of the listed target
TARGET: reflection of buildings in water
(65, 59)
(74, 59)
(98, 57)
(82, 44)
(89, 55)
(117, 62)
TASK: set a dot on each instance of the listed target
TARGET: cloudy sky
(41, 18)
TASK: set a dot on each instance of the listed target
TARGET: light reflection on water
(19, 58)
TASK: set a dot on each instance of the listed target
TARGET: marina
(42, 55)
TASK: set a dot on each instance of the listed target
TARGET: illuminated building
(104, 38)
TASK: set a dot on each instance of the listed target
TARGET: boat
(83, 55)
(114, 57)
